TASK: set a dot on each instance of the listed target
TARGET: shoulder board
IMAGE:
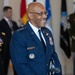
(20, 29)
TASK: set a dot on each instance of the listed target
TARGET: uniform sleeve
(55, 58)
(18, 55)
(57, 63)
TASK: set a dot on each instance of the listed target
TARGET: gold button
(3, 33)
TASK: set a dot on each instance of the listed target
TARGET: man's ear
(30, 16)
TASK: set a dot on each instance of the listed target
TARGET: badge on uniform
(30, 48)
(50, 40)
(47, 34)
(31, 56)
(3, 33)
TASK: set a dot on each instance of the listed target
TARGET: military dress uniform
(28, 55)
(71, 30)
(3, 47)
(8, 29)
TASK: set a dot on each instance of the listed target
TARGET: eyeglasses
(40, 13)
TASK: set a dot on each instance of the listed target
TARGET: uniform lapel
(48, 46)
(33, 36)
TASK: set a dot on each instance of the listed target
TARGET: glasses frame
(40, 13)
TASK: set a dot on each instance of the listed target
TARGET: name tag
(30, 48)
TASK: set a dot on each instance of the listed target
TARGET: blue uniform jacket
(28, 55)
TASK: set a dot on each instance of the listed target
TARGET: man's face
(8, 13)
(39, 16)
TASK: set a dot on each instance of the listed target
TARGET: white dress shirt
(7, 20)
(35, 29)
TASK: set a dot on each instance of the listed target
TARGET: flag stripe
(23, 11)
(24, 18)
(48, 8)
(23, 8)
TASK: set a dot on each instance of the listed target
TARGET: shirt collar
(6, 19)
(35, 29)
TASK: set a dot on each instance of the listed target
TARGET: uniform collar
(35, 29)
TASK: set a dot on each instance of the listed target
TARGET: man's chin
(43, 25)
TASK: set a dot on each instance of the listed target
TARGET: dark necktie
(42, 40)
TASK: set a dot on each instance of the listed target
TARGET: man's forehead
(35, 4)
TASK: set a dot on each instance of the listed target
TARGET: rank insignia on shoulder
(20, 29)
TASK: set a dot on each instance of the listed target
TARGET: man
(71, 30)
(7, 25)
(32, 46)
(3, 47)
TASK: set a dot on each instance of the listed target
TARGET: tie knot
(39, 30)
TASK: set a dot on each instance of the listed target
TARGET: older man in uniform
(32, 47)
